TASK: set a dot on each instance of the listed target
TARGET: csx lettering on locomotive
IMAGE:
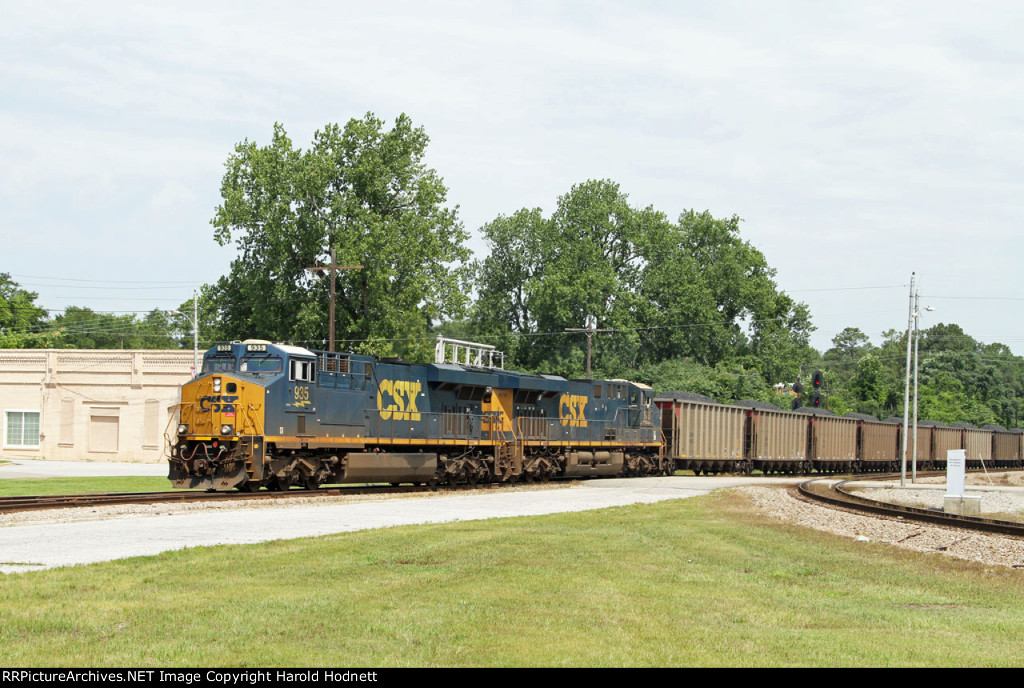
(218, 403)
(396, 399)
(571, 409)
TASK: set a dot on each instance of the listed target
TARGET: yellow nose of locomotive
(209, 406)
(218, 413)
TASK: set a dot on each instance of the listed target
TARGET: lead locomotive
(273, 415)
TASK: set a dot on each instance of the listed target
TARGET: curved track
(834, 493)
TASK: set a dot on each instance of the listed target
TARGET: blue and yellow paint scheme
(273, 415)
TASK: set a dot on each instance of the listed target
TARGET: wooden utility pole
(332, 267)
(589, 331)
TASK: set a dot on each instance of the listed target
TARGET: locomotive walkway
(62, 539)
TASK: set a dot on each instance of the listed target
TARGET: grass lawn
(13, 487)
(695, 582)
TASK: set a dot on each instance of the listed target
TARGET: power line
(72, 279)
(801, 291)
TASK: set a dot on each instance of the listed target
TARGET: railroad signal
(817, 380)
(797, 387)
(816, 400)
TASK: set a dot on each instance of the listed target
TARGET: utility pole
(195, 333)
(906, 393)
(332, 267)
(917, 338)
(589, 331)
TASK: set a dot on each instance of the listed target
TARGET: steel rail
(40, 502)
(848, 500)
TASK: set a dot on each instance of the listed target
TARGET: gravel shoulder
(993, 550)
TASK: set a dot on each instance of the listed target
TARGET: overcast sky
(858, 141)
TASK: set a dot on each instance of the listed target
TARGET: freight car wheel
(311, 483)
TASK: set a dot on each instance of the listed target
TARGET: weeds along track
(836, 494)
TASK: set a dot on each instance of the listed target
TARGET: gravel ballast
(993, 550)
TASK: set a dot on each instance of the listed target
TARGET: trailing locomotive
(272, 415)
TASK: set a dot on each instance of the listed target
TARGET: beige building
(90, 404)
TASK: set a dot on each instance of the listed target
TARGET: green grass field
(13, 487)
(696, 582)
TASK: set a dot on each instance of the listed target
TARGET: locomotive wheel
(279, 484)
(249, 486)
(453, 479)
(311, 483)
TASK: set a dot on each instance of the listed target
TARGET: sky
(859, 142)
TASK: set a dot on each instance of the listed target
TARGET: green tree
(363, 191)
(544, 275)
(22, 322)
(82, 328)
(848, 346)
(688, 290)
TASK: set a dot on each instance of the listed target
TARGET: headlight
(227, 430)
(182, 428)
(216, 385)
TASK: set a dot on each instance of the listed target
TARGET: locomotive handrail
(253, 421)
(407, 428)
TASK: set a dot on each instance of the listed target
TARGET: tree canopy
(364, 191)
(22, 322)
(692, 289)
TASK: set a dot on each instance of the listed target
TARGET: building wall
(90, 404)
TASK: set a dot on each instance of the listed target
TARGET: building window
(21, 429)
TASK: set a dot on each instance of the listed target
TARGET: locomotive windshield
(261, 364)
(220, 364)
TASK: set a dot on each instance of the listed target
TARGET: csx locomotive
(273, 415)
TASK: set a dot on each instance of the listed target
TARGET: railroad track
(39, 502)
(835, 494)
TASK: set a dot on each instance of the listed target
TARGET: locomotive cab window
(260, 364)
(301, 370)
(219, 364)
